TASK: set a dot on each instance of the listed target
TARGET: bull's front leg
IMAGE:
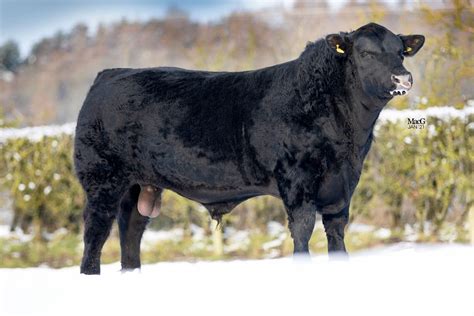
(334, 225)
(301, 211)
(301, 221)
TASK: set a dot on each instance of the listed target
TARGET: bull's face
(378, 57)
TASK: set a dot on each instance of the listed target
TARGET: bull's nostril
(395, 79)
(404, 81)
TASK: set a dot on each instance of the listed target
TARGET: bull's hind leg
(334, 224)
(99, 213)
(131, 226)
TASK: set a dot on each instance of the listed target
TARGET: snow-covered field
(405, 279)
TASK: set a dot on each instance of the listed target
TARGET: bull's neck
(361, 109)
(329, 87)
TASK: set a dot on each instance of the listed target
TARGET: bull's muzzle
(403, 84)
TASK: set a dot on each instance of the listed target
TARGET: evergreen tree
(9, 56)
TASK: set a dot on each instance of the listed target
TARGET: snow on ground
(154, 236)
(5, 232)
(36, 133)
(404, 279)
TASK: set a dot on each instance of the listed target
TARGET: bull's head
(378, 56)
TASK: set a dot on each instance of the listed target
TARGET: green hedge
(39, 177)
(417, 177)
(421, 177)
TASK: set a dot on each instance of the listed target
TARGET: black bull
(299, 131)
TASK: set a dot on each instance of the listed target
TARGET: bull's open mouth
(399, 92)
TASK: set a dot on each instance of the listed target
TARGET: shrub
(40, 179)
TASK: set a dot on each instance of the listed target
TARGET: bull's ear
(412, 44)
(338, 44)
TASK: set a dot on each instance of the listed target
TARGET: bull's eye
(366, 54)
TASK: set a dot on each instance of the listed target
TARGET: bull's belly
(200, 180)
(209, 196)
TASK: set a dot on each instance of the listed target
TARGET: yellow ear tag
(409, 49)
(339, 50)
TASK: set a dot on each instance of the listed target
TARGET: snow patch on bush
(446, 113)
(36, 133)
